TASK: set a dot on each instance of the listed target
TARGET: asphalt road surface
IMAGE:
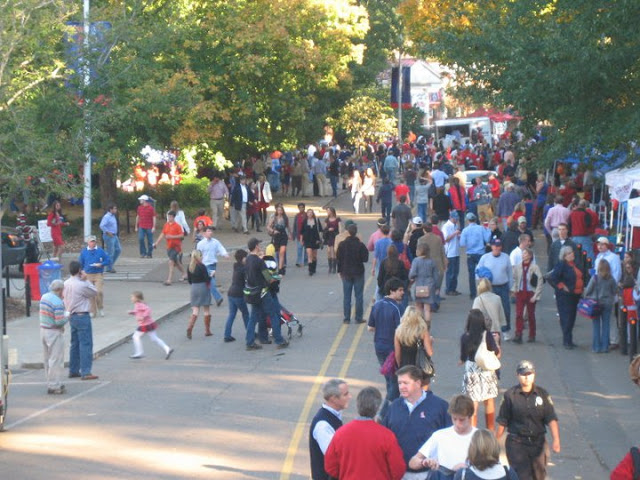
(216, 411)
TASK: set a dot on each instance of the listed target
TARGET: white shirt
(448, 447)
(245, 194)
(451, 247)
(439, 177)
(614, 263)
(182, 221)
(211, 248)
(323, 432)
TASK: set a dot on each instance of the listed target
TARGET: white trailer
(461, 129)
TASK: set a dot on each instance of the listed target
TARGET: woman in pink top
(145, 325)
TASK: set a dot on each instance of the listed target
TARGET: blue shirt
(474, 237)
(380, 249)
(89, 257)
(385, 318)
(108, 224)
(500, 267)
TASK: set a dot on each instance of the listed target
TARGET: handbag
(389, 366)
(423, 361)
(589, 308)
(423, 291)
(485, 358)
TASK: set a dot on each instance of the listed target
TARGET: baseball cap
(454, 215)
(348, 223)
(416, 220)
(470, 217)
(604, 240)
(91, 238)
(382, 221)
(525, 367)
(253, 243)
(522, 219)
(144, 197)
(497, 242)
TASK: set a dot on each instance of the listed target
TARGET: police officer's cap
(525, 367)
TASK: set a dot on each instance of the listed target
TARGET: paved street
(216, 411)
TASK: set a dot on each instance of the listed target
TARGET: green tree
(365, 119)
(570, 64)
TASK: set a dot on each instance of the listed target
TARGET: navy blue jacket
(412, 430)
(236, 196)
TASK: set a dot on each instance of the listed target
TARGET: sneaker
(283, 345)
(74, 375)
(506, 336)
(56, 391)
(136, 357)
(254, 346)
(229, 339)
(169, 354)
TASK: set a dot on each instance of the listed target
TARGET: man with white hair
(52, 322)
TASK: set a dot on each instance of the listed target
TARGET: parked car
(14, 248)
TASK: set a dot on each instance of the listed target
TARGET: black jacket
(352, 254)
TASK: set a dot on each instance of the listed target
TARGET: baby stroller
(290, 320)
(287, 318)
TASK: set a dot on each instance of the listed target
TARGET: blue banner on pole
(74, 47)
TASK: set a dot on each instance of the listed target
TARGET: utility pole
(400, 96)
(87, 141)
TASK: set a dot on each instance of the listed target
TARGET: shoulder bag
(485, 358)
(389, 366)
(589, 307)
(423, 361)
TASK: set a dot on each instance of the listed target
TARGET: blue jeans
(453, 269)
(472, 263)
(391, 382)
(81, 348)
(112, 245)
(334, 185)
(270, 307)
(567, 304)
(235, 304)
(301, 253)
(503, 292)
(357, 285)
(600, 343)
(213, 288)
(422, 211)
(146, 250)
(386, 212)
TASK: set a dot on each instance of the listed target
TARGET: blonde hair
(484, 450)
(412, 327)
(484, 285)
(196, 257)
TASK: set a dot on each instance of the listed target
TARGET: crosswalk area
(133, 268)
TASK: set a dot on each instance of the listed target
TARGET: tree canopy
(571, 64)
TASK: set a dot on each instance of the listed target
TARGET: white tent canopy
(621, 181)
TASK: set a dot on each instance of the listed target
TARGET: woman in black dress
(412, 329)
(331, 230)
(311, 231)
(278, 228)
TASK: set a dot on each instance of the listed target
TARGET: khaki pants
(53, 349)
(217, 210)
(98, 280)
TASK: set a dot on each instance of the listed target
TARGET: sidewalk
(134, 273)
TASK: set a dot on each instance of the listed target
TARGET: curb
(102, 352)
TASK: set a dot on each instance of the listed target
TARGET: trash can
(48, 272)
(31, 273)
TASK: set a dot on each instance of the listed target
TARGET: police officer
(525, 411)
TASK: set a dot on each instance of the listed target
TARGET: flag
(406, 87)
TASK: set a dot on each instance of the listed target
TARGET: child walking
(145, 325)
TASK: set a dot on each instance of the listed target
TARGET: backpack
(404, 258)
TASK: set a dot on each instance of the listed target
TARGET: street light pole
(400, 96)
(87, 163)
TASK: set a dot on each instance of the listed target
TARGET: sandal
(168, 284)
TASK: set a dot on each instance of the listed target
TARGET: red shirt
(203, 218)
(400, 190)
(146, 214)
(494, 186)
(173, 228)
(578, 224)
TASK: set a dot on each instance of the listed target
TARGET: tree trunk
(107, 186)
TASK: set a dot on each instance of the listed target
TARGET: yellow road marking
(303, 419)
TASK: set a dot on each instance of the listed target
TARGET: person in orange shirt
(173, 234)
(202, 217)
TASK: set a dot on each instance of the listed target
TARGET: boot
(311, 272)
(315, 264)
(330, 260)
(335, 265)
(490, 419)
(207, 326)
(192, 322)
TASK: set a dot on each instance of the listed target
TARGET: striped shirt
(52, 311)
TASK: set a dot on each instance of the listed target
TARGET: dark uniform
(526, 415)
